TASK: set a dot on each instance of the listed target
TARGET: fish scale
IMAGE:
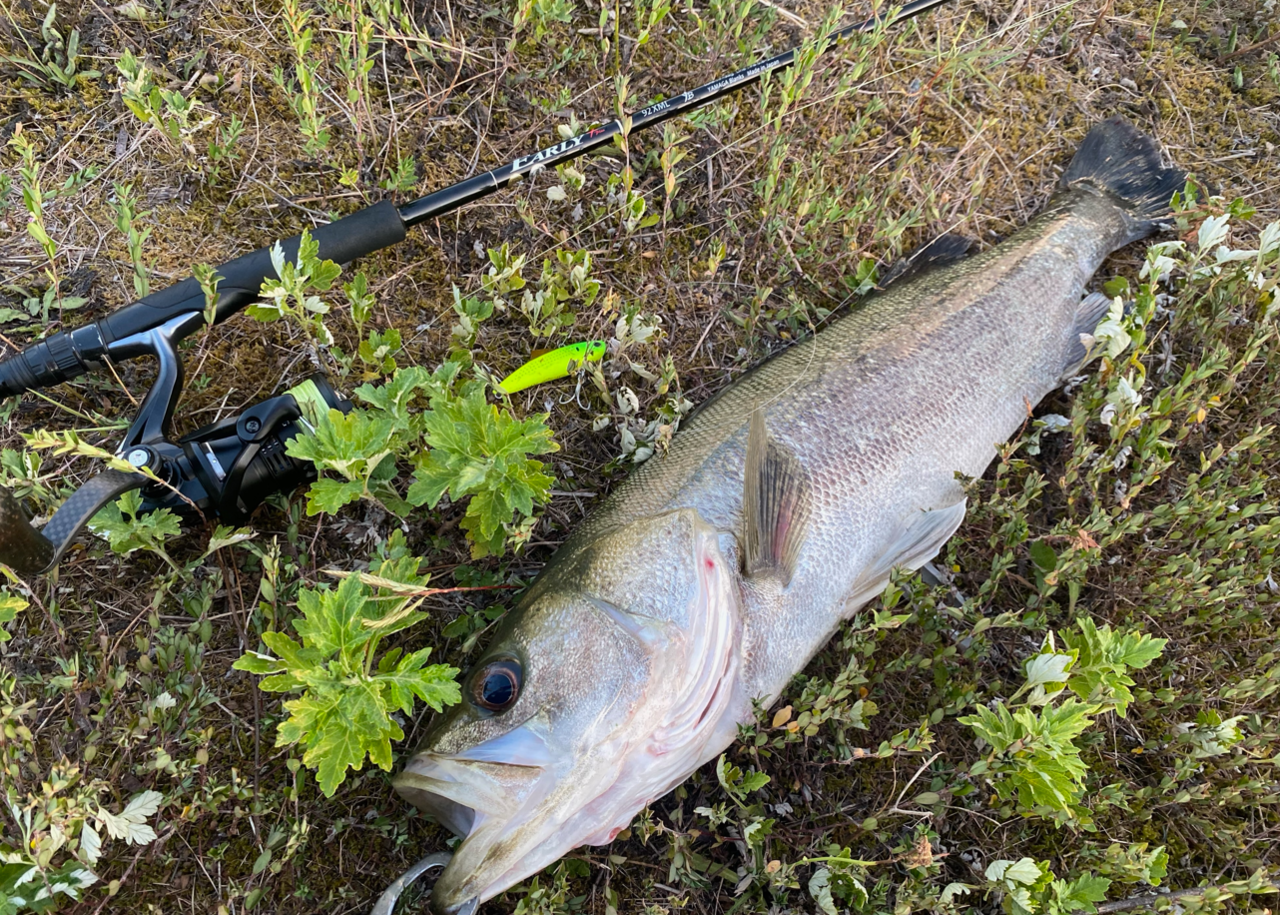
(829, 465)
(883, 409)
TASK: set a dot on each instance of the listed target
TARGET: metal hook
(386, 903)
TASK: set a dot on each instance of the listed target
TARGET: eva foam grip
(361, 233)
(67, 355)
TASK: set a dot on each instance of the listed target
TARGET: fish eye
(496, 685)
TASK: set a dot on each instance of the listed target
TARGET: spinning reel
(224, 470)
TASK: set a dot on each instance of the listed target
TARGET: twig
(1150, 899)
(1097, 24)
(1249, 50)
(924, 765)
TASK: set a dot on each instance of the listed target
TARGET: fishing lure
(558, 363)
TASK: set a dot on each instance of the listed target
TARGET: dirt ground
(960, 121)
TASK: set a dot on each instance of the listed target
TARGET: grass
(118, 677)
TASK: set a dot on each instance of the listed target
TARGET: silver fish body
(716, 571)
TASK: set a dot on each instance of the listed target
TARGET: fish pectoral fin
(917, 542)
(775, 505)
(1089, 313)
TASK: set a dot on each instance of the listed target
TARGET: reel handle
(30, 551)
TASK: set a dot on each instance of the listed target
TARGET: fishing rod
(227, 469)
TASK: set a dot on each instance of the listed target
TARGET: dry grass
(969, 115)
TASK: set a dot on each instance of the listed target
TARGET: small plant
(34, 199)
(649, 16)
(355, 61)
(565, 279)
(1034, 757)
(127, 531)
(304, 88)
(56, 65)
(208, 278)
(59, 838)
(504, 276)
(167, 110)
(10, 606)
(403, 178)
(222, 148)
(360, 446)
(672, 155)
(480, 451)
(127, 216)
(290, 296)
(471, 312)
(349, 692)
(542, 14)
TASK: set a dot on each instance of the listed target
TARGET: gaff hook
(386, 903)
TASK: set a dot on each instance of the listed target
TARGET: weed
(403, 177)
(347, 699)
(34, 198)
(292, 294)
(167, 110)
(304, 88)
(565, 281)
(127, 217)
(542, 14)
(56, 64)
(222, 148)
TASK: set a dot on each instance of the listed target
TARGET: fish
(716, 571)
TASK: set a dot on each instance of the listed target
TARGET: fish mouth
(481, 794)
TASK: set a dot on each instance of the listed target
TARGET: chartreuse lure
(550, 366)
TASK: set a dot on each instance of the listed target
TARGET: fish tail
(1124, 163)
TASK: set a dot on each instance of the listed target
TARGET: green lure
(552, 365)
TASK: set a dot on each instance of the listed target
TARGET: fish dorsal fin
(775, 505)
(943, 250)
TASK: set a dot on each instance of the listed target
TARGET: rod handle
(64, 356)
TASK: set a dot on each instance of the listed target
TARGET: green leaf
(127, 531)
(394, 396)
(820, 890)
(479, 451)
(1080, 894)
(344, 712)
(334, 744)
(328, 496)
(10, 605)
(1024, 870)
(131, 823)
(332, 621)
(434, 685)
(351, 444)
(1048, 669)
(1104, 659)
(256, 663)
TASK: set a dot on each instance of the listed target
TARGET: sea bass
(716, 571)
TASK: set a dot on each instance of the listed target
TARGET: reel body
(229, 468)
(224, 470)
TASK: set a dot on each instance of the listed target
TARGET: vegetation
(1081, 718)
